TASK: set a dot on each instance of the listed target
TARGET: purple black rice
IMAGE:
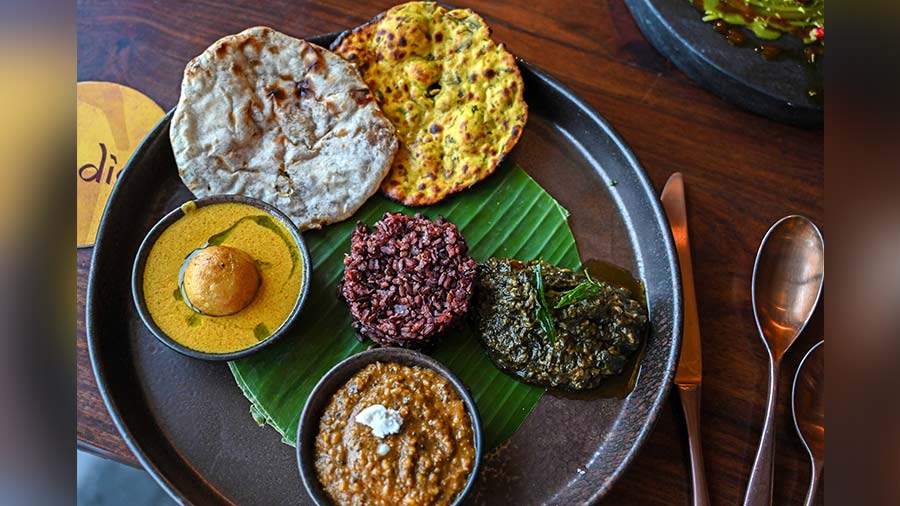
(407, 281)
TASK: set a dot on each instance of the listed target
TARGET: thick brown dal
(430, 458)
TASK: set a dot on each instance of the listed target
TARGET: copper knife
(689, 374)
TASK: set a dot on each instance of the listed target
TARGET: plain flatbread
(276, 118)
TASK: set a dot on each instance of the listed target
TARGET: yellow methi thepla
(453, 94)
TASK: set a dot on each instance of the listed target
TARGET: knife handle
(690, 403)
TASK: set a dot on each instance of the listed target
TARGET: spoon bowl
(787, 281)
(788, 276)
(808, 405)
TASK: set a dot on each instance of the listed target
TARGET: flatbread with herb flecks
(453, 94)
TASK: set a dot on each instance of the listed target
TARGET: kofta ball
(220, 281)
(408, 280)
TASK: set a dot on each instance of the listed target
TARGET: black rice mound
(408, 280)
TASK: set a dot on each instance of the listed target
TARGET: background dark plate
(189, 425)
(776, 89)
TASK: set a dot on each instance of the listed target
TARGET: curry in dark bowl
(220, 277)
(389, 426)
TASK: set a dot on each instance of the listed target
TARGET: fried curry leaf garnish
(543, 312)
(584, 290)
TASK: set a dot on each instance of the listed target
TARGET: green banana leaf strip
(508, 215)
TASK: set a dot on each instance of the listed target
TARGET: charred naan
(454, 95)
(269, 116)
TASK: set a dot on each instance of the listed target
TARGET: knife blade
(689, 374)
(690, 364)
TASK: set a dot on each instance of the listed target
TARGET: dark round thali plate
(778, 89)
(188, 423)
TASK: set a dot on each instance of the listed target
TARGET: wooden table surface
(742, 172)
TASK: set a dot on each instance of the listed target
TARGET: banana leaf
(508, 215)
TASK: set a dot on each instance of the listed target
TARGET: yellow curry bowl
(221, 277)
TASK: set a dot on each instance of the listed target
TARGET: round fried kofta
(219, 281)
(408, 280)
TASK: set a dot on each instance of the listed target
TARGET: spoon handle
(814, 483)
(759, 489)
(690, 401)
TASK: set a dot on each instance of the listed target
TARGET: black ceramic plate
(777, 89)
(189, 425)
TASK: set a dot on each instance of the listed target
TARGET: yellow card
(112, 121)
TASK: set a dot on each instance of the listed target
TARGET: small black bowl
(140, 261)
(341, 374)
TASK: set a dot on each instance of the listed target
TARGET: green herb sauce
(768, 19)
(596, 333)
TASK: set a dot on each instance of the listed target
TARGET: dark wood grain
(742, 173)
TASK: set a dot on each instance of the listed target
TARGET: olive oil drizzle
(620, 385)
(602, 270)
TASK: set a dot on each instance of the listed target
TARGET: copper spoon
(787, 282)
(808, 404)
